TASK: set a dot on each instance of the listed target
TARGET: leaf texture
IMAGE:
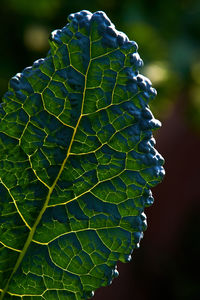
(77, 162)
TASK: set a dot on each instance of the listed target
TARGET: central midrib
(31, 233)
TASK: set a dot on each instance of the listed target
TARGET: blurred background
(168, 33)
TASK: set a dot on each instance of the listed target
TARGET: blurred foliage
(167, 33)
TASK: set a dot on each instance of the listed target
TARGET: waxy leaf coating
(77, 162)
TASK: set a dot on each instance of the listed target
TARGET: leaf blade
(82, 125)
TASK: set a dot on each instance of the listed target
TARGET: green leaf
(77, 162)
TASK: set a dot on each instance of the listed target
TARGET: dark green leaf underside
(77, 162)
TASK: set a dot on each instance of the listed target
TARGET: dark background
(168, 33)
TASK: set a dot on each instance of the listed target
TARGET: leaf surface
(77, 162)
